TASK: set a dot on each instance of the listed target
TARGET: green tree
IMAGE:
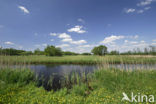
(100, 50)
(52, 51)
(114, 52)
(38, 52)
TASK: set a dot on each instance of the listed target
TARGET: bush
(52, 51)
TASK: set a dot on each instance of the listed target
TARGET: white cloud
(8, 43)
(78, 42)
(145, 2)
(154, 40)
(77, 29)
(133, 42)
(53, 34)
(63, 45)
(130, 10)
(147, 8)
(81, 20)
(86, 46)
(67, 40)
(140, 11)
(64, 36)
(111, 39)
(24, 9)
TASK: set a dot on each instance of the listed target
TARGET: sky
(77, 25)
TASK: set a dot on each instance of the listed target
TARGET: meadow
(103, 86)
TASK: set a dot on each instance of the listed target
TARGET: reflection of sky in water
(58, 72)
(62, 69)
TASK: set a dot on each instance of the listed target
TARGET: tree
(114, 52)
(52, 51)
(69, 53)
(38, 52)
(100, 50)
(86, 53)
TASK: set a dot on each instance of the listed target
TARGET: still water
(57, 73)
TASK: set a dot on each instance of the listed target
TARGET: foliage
(52, 51)
(100, 50)
(69, 53)
(86, 54)
(114, 53)
(38, 52)
(10, 51)
(16, 75)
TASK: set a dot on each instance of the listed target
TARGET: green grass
(80, 59)
(104, 87)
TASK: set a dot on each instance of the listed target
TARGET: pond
(54, 76)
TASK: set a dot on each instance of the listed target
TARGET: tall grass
(80, 59)
(105, 86)
(11, 76)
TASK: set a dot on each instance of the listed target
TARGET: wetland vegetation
(86, 79)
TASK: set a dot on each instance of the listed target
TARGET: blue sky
(77, 25)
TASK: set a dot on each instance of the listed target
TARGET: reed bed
(80, 59)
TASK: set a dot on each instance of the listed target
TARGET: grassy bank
(78, 59)
(104, 87)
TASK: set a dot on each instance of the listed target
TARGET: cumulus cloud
(86, 46)
(145, 2)
(63, 45)
(25, 10)
(53, 34)
(77, 29)
(111, 39)
(154, 40)
(67, 38)
(64, 36)
(9, 43)
(130, 10)
(78, 42)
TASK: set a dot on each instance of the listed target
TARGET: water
(51, 76)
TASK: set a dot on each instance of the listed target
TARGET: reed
(80, 59)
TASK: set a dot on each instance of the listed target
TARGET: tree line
(99, 50)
